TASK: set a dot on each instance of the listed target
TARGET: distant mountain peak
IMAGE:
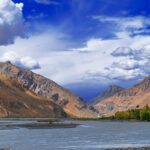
(110, 91)
(8, 62)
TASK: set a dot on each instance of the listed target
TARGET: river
(90, 135)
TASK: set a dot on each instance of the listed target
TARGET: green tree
(134, 114)
(145, 114)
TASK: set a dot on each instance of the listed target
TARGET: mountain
(15, 101)
(23, 88)
(110, 91)
(137, 96)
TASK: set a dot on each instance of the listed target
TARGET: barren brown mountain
(15, 101)
(136, 97)
(26, 94)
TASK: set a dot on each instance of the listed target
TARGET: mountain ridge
(137, 96)
(43, 87)
(15, 101)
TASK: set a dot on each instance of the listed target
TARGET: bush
(122, 115)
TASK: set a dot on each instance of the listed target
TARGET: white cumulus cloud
(130, 64)
(22, 62)
(122, 51)
(11, 21)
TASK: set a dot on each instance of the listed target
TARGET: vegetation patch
(142, 114)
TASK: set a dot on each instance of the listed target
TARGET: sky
(83, 45)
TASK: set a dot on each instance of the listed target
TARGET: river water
(89, 135)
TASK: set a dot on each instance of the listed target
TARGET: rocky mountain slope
(15, 101)
(110, 91)
(39, 87)
(136, 97)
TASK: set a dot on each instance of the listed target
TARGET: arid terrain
(137, 96)
(26, 94)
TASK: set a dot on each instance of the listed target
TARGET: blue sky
(84, 45)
